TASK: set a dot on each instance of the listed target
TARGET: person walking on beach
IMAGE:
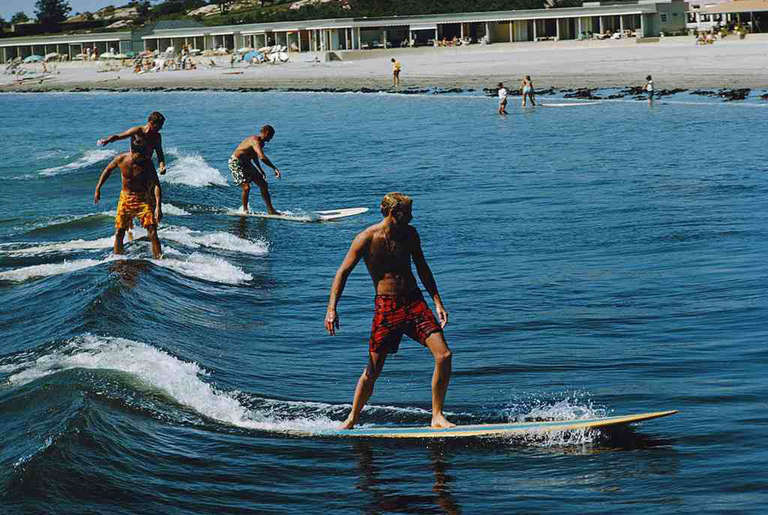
(396, 67)
(150, 133)
(649, 88)
(387, 249)
(503, 93)
(527, 91)
(245, 167)
(138, 177)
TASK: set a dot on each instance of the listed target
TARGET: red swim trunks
(396, 316)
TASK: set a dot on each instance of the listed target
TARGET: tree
(19, 17)
(3, 23)
(51, 12)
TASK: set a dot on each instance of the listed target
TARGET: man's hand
(442, 315)
(158, 213)
(101, 142)
(96, 196)
(331, 322)
(277, 173)
(161, 169)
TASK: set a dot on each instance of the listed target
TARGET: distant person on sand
(527, 90)
(649, 88)
(503, 93)
(396, 67)
(387, 249)
(138, 176)
(150, 133)
(245, 167)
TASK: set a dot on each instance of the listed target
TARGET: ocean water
(598, 259)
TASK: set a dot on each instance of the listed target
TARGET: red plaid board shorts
(396, 316)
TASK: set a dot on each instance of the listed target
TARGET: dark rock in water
(414, 91)
(550, 91)
(633, 90)
(491, 92)
(368, 90)
(667, 92)
(582, 93)
(704, 92)
(615, 95)
(729, 95)
(764, 96)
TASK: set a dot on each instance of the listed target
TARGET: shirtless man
(150, 132)
(245, 167)
(138, 177)
(387, 249)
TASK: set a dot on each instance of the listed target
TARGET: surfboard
(569, 104)
(309, 216)
(509, 429)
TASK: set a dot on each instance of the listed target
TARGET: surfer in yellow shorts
(139, 176)
(396, 67)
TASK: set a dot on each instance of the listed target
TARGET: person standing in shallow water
(387, 249)
(396, 67)
(503, 94)
(244, 166)
(527, 91)
(649, 88)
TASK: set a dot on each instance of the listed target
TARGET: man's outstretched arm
(353, 256)
(103, 177)
(427, 279)
(115, 137)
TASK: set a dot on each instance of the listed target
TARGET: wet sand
(675, 62)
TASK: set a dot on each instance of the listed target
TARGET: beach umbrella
(250, 56)
(33, 59)
(52, 55)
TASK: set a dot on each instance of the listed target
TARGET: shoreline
(675, 63)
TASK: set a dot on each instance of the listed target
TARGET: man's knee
(443, 355)
(246, 187)
(152, 232)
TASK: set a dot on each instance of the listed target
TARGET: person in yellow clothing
(138, 176)
(396, 67)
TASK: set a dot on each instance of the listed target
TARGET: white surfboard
(509, 429)
(309, 216)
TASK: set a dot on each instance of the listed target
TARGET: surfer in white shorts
(245, 167)
(503, 93)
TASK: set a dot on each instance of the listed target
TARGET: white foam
(205, 267)
(64, 246)
(192, 170)
(217, 240)
(88, 158)
(49, 269)
(180, 380)
(572, 407)
(170, 209)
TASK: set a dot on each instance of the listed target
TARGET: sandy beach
(675, 62)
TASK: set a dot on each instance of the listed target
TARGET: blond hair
(394, 200)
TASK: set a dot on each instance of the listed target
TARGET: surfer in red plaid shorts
(387, 249)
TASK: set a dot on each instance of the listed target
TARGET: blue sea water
(600, 259)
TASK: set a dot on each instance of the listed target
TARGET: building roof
(736, 6)
(63, 39)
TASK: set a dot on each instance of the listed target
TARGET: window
(663, 18)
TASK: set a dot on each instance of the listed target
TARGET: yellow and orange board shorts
(134, 205)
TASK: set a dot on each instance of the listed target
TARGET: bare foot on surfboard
(440, 422)
(347, 424)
